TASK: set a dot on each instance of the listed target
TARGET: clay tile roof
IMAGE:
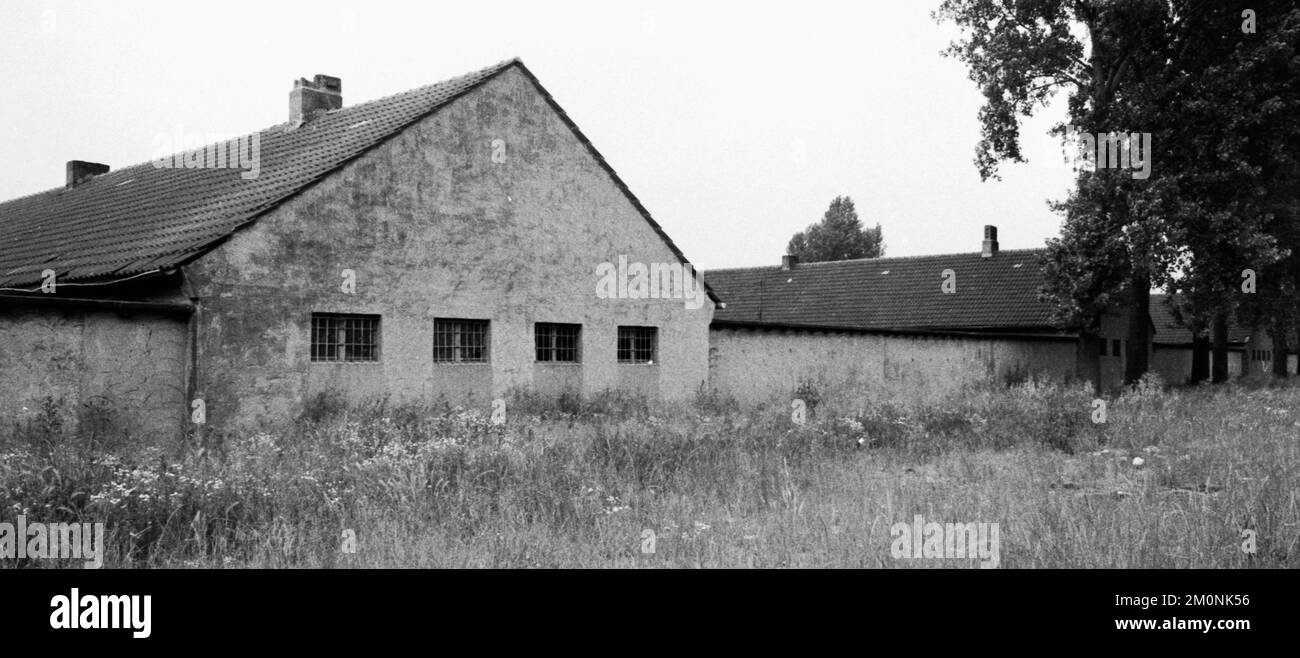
(993, 294)
(1170, 332)
(141, 218)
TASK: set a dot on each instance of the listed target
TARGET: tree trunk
(1139, 330)
(1219, 362)
(1200, 356)
(1278, 333)
(1088, 359)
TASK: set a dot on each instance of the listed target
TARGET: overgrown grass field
(596, 483)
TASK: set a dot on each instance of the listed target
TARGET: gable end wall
(434, 228)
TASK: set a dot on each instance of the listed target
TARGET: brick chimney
(80, 172)
(310, 97)
(990, 246)
(789, 262)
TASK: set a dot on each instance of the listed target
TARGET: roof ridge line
(868, 260)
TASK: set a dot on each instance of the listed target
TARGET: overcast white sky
(735, 123)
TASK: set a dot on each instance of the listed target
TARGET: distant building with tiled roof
(1169, 331)
(992, 294)
(925, 325)
(916, 325)
(1250, 349)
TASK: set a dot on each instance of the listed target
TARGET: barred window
(557, 342)
(460, 341)
(1114, 348)
(637, 344)
(341, 337)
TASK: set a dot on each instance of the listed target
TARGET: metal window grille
(557, 342)
(637, 344)
(338, 337)
(460, 341)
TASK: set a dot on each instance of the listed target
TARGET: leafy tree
(1208, 93)
(1233, 107)
(838, 236)
(1022, 52)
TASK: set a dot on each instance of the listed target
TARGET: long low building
(1173, 347)
(920, 326)
(1250, 349)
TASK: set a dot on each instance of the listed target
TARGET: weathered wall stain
(115, 376)
(758, 365)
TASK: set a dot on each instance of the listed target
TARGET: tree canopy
(1214, 86)
(838, 236)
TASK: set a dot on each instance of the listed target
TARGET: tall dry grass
(589, 483)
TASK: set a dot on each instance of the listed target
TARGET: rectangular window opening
(460, 341)
(557, 343)
(344, 337)
(637, 344)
